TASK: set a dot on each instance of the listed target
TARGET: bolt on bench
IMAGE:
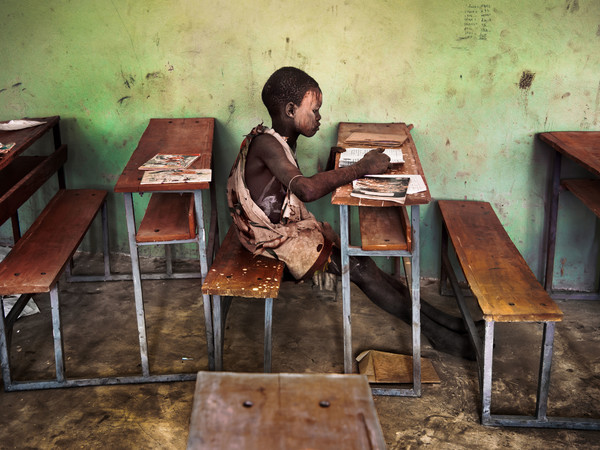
(506, 291)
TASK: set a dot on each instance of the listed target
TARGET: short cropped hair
(287, 84)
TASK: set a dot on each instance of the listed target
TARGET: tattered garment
(296, 240)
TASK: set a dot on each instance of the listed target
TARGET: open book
(176, 176)
(354, 154)
(169, 161)
(391, 189)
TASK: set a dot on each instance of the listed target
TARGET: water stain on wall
(572, 6)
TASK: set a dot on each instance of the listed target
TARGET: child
(266, 192)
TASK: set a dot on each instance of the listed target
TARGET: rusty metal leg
(552, 220)
(268, 334)
(57, 335)
(486, 379)
(4, 354)
(541, 407)
(137, 284)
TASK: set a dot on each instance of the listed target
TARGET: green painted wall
(477, 79)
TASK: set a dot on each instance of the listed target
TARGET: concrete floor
(101, 340)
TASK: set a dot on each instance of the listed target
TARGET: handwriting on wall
(477, 21)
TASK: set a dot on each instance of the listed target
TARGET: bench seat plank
(168, 217)
(37, 260)
(588, 191)
(499, 277)
(236, 272)
(384, 228)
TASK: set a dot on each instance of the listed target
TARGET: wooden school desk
(26, 169)
(283, 411)
(385, 231)
(583, 147)
(171, 136)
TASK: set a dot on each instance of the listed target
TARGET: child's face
(307, 116)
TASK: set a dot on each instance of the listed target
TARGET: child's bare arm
(312, 188)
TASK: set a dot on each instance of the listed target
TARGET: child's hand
(374, 162)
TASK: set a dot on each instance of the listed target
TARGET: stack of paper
(176, 176)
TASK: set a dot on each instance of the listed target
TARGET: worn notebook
(169, 161)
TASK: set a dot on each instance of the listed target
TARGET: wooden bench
(235, 272)
(506, 291)
(283, 411)
(38, 259)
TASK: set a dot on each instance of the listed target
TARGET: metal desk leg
(218, 333)
(552, 219)
(208, 321)
(4, 353)
(346, 310)
(416, 299)
(57, 335)
(268, 334)
(137, 283)
(486, 378)
(541, 407)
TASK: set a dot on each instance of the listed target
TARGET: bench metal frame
(220, 306)
(552, 219)
(61, 380)
(200, 240)
(412, 270)
(485, 356)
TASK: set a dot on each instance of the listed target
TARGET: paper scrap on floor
(383, 367)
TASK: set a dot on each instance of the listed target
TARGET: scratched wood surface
(236, 272)
(384, 228)
(283, 411)
(581, 146)
(499, 277)
(174, 136)
(411, 166)
(588, 191)
(38, 258)
(24, 138)
(168, 217)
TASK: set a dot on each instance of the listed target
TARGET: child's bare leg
(446, 320)
(376, 285)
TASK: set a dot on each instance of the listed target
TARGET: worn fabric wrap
(297, 240)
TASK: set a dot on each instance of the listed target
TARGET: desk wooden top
(174, 136)
(581, 146)
(411, 166)
(24, 138)
(283, 411)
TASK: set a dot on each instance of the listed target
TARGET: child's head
(286, 85)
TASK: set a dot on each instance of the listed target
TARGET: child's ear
(290, 109)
